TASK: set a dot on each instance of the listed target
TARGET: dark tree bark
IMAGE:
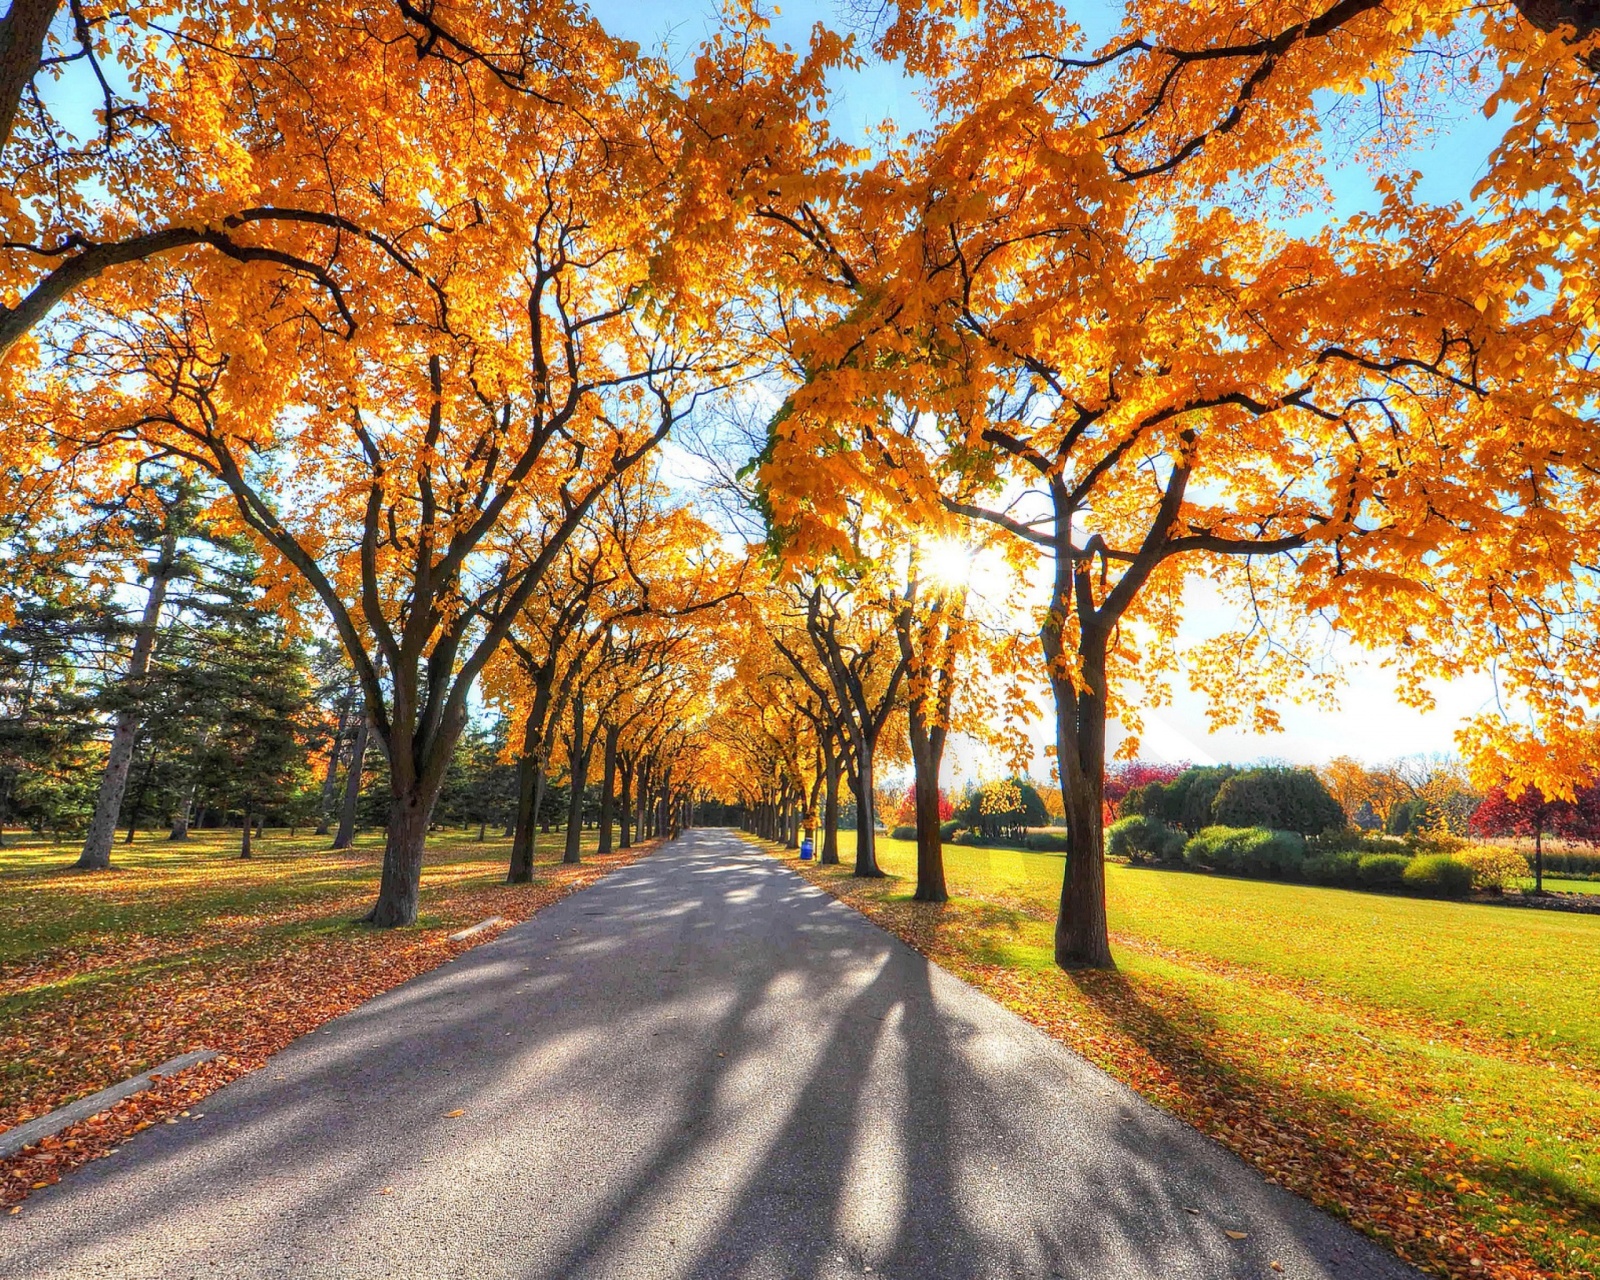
(410, 812)
(22, 35)
(244, 835)
(530, 773)
(330, 779)
(625, 803)
(96, 855)
(830, 805)
(608, 784)
(931, 675)
(579, 768)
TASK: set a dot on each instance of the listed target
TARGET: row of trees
(185, 697)
(416, 297)
(1067, 311)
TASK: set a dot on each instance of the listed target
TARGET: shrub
(1141, 838)
(1493, 866)
(1438, 874)
(1248, 851)
(1045, 842)
(1282, 799)
(947, 830)
(1382, 870)
(1353, 840)
(968, 837)
(1338, 867)
(1572, 864)
(903, 833)
(1434, 842)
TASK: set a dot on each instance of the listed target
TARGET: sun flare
(946, 563)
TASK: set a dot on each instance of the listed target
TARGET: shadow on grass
(1247, 1112)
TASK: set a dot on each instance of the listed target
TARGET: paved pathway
(700, 1066)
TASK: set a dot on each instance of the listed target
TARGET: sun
(946, 563)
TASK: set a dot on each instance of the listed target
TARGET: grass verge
(183, 946)
(1429, 1071)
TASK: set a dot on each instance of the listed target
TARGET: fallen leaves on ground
(72, 1042)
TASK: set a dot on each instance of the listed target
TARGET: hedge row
(1265, 854)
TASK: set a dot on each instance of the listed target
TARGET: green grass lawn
(1558, 885)
(1441, 1060)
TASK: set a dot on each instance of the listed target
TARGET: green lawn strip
(1339, 1011)
(1391, 952)
(1561, 885)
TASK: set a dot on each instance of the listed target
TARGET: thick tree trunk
(926, 755)
(409, 816)
(608, 783)
(22, 46)
(352, 788)
(180, 817)
(524, 839)
(96, 855)
(244, 836)
(866, 830)
(1081, 939)
(580, 771)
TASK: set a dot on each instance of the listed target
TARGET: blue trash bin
(805, 850)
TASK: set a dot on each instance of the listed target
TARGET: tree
(162, 567)
(465, 454)
(1118, 370)
(1128, 776)
(1283, 799)
(1530, 813)
(1186, 801)
(932, 632)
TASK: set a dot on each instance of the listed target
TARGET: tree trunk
(22, 47)
(926, 751)
(579, 770)
(244, 836)
(96, 855)
(180, 817)
(866, 832)
(608, 783)
(330, 779)
(1081, 940)
(529, 773)
(1538, 860)
(625, 805)
(352, 788)
(830, 809)
(409, 816)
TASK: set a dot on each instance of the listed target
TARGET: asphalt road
(700, 1066)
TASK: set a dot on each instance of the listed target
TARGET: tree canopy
(407, 303)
